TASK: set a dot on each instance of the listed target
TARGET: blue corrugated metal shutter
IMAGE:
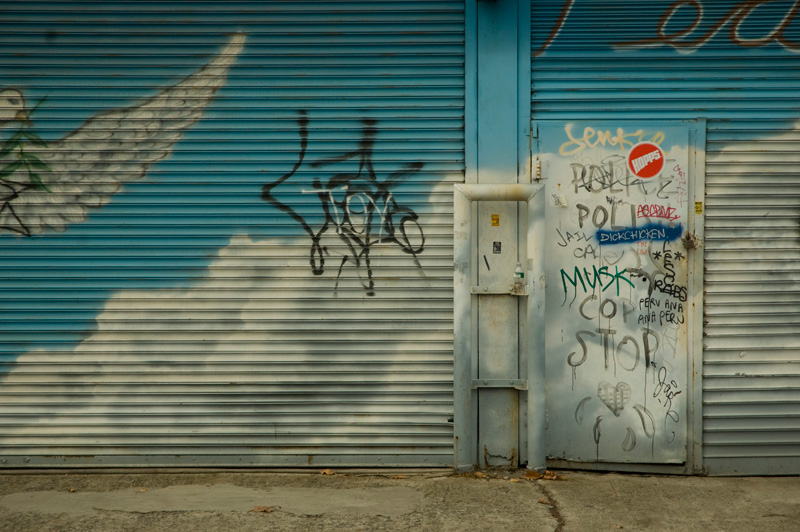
(737, 64)
(272, 284)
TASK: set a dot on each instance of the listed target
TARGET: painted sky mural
(118, 186)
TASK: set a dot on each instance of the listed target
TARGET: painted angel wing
(85, 168)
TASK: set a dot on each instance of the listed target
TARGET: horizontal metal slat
(373, 376)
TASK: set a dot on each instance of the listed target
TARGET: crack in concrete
(555, 508)
(383, 500)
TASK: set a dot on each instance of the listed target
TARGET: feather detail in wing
(89, 165)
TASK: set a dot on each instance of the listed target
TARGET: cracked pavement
(419, 500)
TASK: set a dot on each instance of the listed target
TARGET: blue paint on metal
(665, 60)
(651, 232)
(734, 63)
(55, 284)
(163, 231)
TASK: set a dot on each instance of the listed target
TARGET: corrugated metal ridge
(752, 244)
(199, 342)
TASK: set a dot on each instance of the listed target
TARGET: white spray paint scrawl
(616, 291)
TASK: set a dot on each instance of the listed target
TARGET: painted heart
(614, 397)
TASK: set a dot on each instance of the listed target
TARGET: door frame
(695, 285)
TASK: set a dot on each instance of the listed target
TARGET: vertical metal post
(697, 139)
(463, 408)
(466, 452)
(534, 329)
(497, 152)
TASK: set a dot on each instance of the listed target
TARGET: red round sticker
(646, 160)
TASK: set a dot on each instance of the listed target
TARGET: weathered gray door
(617, 290)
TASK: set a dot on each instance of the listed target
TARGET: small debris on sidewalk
(327, 472)
(547, 475)
(263, 509)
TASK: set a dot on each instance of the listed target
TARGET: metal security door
(617, 290)
(498, 334)
(255, 267)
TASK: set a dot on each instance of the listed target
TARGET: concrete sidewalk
(428, 500)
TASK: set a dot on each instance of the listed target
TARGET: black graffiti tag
(361, 210)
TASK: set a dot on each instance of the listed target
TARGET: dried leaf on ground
(395, 477)
(480, 474)
(327, 472)
(73, 490)
(543, 501)
(514, 480)
(143, 490)
(533, 475)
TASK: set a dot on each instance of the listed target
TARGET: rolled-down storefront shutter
(736, 64)
(226, 232)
